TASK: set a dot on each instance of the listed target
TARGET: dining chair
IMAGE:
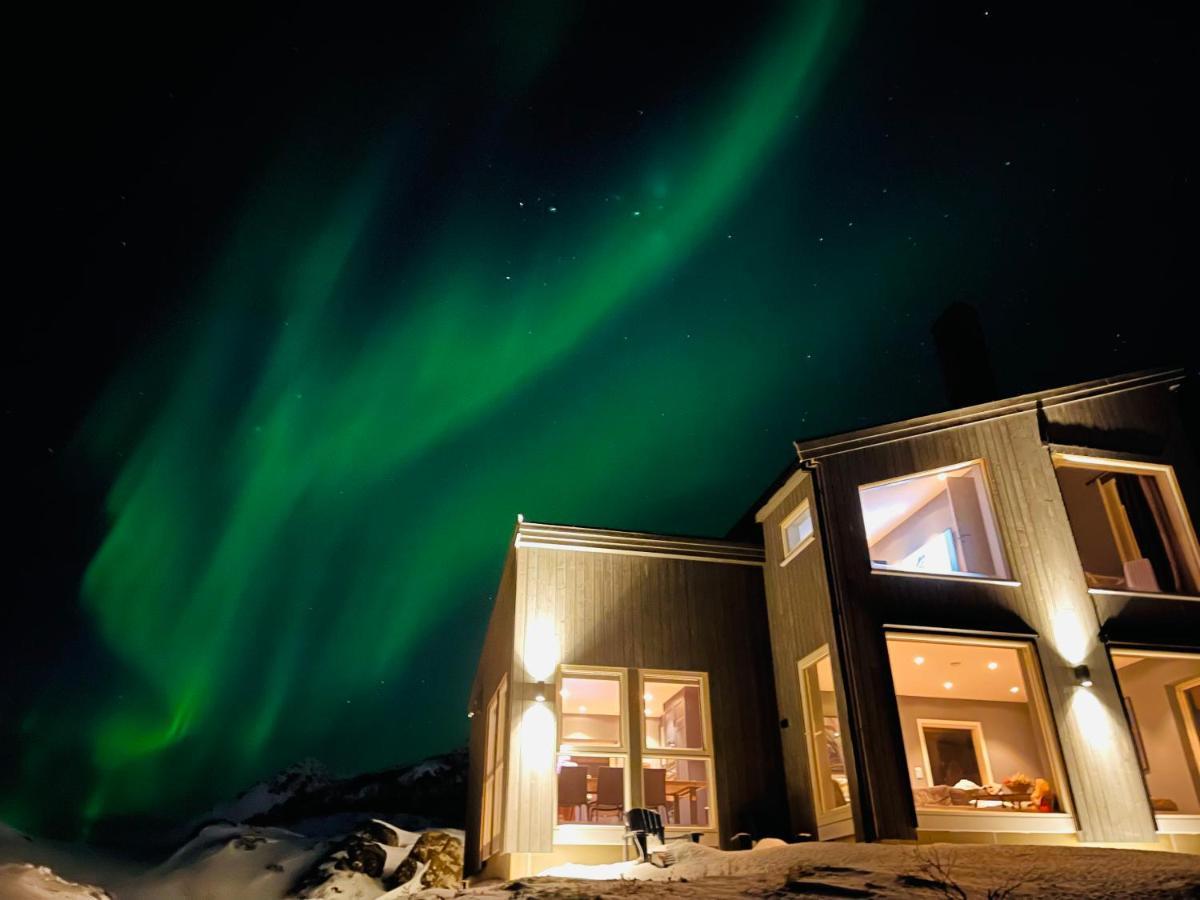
(654, 792)
(572, 792)
(610, 791)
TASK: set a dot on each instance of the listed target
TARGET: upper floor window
(797, 531)
(1131, 527)
(938, 522)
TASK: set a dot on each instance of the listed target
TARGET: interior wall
(1089, 522)
(1149, 685)
(932, 518)
(1008, 731)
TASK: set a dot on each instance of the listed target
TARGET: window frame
(1167, 822)
(827, 819)
(980, 743)
(996, 543)
(1178, 512)
(600, 673)
(804, 507)
(495, 768)
(576, 833)
(706, 753)
(1037, 696)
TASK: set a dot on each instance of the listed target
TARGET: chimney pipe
(963, 354)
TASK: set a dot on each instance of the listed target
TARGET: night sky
(310, 304)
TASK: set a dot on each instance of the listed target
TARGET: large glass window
(596, 733)
(591, 782)
(1131, 527)
(492, 812)
(976, 726)
(823, 730)
(1161, 692)
(937, 523)
(677, 749)
(590, 707)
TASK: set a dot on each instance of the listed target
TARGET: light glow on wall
(1071, 637)
(535, 738)
(542, 652)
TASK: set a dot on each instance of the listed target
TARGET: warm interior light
(565, 693)
(1014, 690)
(919, 660)
(582, 709)
(648, 697)
(648, 711)
(993, 666)
(947, 684)
(942, 476)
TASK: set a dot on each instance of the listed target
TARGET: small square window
(797, 530)
(937, 522)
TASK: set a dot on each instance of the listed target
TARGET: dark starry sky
(310, 303)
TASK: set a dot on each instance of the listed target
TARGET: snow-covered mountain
(300, 834)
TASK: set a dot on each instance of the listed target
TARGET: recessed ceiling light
(1014, 690)
(919, 660)
(993, 666)
(565, 692)
(583, 709)
(947, 684)
(648, 711)
(648, 697)
(942, 476)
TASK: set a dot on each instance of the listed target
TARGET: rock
(380, 832)
(366, 857)
(440, 854)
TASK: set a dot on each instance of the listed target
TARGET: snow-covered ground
(874, 870)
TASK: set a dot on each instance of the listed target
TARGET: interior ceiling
(887, 505)
(591, 696)
(602, 697)
(965, 667)
(1122, 662)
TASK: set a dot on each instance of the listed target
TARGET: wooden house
(981, 625)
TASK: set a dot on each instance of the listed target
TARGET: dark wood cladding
(494, 661)
(800, 620)
(1051, 601)
(637, 611)
(1144, 425)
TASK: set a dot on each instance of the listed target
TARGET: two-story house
(981, 625)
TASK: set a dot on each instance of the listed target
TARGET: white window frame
(1172, 822)
(839, 821)
(679, 676)
(966, 819)
(589, 832)
(994, 537)
(790, 553)
(982, 759)
(1177, 511)
(491, 823)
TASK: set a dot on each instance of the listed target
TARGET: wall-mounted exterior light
(540, 696)
(1083, 676)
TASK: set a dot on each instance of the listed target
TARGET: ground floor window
(977, 732)
(1161, 693)
(823, 734)
(492, 812)
(602, 747)
(676, 748)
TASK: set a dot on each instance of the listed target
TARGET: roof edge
(846, 442)
(635, 543)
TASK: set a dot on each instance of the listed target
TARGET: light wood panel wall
(642, 611)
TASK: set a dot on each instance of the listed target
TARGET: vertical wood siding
(647, 612)
(800, 621)
(1051, 600)
(494, 660)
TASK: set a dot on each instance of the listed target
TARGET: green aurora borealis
(312, 476)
